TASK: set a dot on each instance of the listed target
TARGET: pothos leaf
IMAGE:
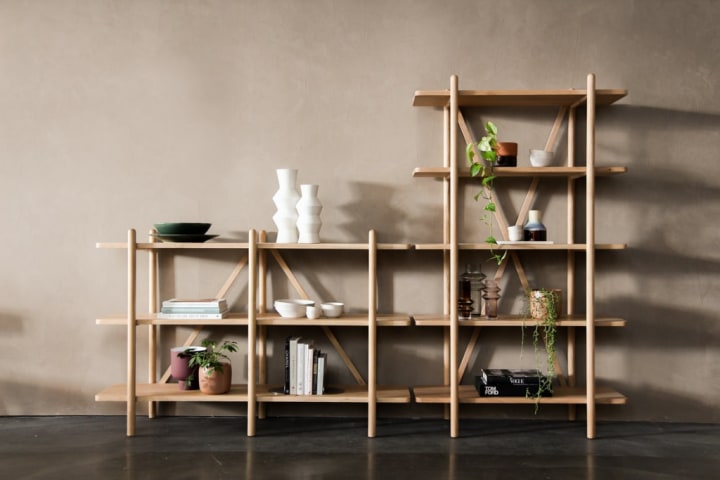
(491, 240)
(491, 128)
(470, 152)
(487, 181)
(489, 207)
(475, 169)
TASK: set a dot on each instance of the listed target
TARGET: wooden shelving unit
(257, 392)
(453, 174)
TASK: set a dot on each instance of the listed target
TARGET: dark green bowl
(180, 228)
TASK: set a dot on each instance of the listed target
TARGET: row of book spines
(304, 368)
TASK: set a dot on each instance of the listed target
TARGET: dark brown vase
(218, 382)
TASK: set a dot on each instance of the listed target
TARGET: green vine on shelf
(543, 306)
(483, 167)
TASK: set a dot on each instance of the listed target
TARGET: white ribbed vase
(308, 209)
(285, 199)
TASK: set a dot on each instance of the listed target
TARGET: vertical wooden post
(131, 334)
(251, 340)
(590, 257)
(372, 333)
(453, 259)
(262, 330)
(152, 328)
(446, 253)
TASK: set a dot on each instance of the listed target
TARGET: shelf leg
(372, 334)
(252, 328)
(131, 332)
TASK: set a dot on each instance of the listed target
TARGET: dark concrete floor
(331, 448)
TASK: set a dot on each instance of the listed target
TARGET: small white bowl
(541, 158)
(333, 309)
(291, 308)
(313, 312)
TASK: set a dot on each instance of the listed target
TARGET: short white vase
(308, 209)
(285, 199)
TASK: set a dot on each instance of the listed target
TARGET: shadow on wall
(374, 205)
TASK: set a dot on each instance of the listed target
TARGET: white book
(308, 370)
(322, 358)
(191, 316)
(201, 302)
(301, 353)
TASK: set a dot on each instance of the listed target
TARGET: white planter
(285, 199)
(308, 209)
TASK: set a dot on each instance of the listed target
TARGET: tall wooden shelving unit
(453, 101)
(256, 393)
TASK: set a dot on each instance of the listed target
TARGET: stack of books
(304, 367)
(502, 382)
(203, 309)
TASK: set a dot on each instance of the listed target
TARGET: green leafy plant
(482, 167)
(544, 308)
(212, 358)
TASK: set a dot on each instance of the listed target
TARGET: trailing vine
(483, 168)
(544, 311)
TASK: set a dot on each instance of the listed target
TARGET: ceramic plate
(183, 237)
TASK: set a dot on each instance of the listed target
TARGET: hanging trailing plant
(544, 306)
(483, 168)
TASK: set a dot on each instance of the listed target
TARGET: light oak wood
(131, 333)
(252, 332)
(590, 257)
(514, 98)
(451, 172)
(372, 334)
(500, 172)
(561, 396)
(439, 320)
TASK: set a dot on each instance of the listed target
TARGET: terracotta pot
(186, 376)
(507, 148)
(538, 308)
(218, 382)
(507, 154)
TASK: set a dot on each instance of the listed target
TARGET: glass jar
(474, 275)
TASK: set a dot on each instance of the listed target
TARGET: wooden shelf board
(515, 98)
(576, 247)
(351, 320)
(561, 395)
(169, 392)
(147, 319)
(437, 320)
(568, 172)
(336, 394)
(331, 246)
(212, 245)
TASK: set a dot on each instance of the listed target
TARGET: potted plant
(545, 308)
(214, 367)
(483, 167)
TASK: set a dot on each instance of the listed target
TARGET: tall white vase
(285, 199)
(308, 209)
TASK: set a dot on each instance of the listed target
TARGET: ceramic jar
(285, 200)
(308, 210)
(534, 229)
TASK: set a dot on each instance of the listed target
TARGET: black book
(509, 390)
(508, 376)
(286, 386)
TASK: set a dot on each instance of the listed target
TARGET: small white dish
(333, 309)
(541, 158)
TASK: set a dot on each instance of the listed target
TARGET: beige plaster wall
(119, 114)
